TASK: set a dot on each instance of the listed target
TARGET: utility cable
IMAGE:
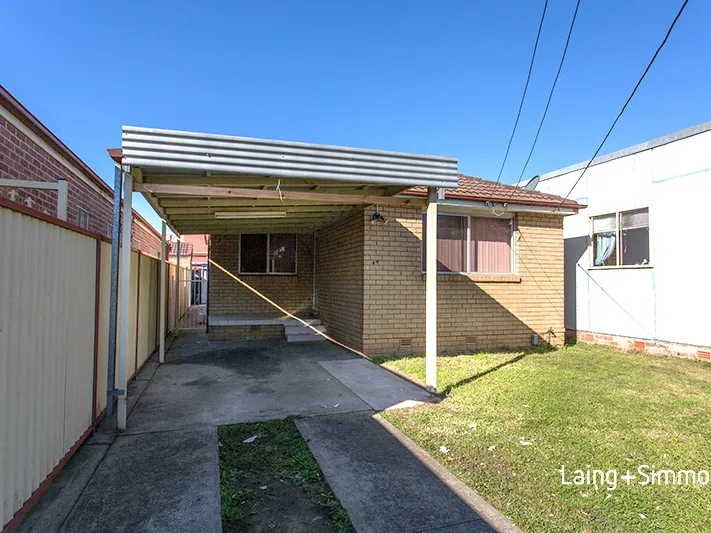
(523, 96)
(550, 97)
(654, 57)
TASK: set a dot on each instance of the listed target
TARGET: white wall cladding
(669, 301)
(47, 322)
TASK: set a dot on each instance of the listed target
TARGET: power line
(654, 57)
(550, 97)
(523, 96)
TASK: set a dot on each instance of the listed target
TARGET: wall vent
(470, 339)
(254, 327)
(405, 343)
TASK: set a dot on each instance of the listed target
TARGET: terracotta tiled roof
(480, 190)
(186, 248)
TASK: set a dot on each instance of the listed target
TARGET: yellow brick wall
(472, 313)
(371, 290)
(227, 297)
(339, 279)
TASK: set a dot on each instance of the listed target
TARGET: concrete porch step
(302, 330)
(305, 338)
(300, 333)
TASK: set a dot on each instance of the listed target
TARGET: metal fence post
(113, 294)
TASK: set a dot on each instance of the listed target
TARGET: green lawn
(272, 482)
(585, 407)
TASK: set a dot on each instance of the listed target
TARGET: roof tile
(480, 190)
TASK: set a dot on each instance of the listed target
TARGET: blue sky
(441, 78)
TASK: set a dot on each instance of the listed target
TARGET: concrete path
(377, 387)
(162, 474)
(384, 487)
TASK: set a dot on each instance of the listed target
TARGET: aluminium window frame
(469, 216)
(84, 214)
(267, 272)
(618, 236)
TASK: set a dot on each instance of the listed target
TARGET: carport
(206, 183)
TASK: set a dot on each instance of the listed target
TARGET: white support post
(177, 283)
(161, 352)
(125, 288)
(431, 290)
(62, 199)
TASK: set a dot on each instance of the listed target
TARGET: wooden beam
(209, 217)
(173, 211)
(192, 190)
(234, 181)
(232, 230)
(175, 202)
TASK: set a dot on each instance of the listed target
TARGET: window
(605, 240)
(82, 218)
(267, 253)
(468, 244)
(620, 239)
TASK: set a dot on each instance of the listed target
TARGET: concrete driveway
(162, 474)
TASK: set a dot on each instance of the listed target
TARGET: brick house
(328, 238)
(363, 276)
(30, 152)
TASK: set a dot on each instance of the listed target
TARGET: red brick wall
(21, 158)
(650, 346)
(147, 239)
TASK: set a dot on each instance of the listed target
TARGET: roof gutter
(548, 206)
(511, 208)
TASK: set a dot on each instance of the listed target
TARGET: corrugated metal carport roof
(194, 179)
(164, 150)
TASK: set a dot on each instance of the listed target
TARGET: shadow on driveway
(162, 474)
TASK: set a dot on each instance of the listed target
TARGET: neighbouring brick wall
(339, 279)
(21, 158)
(146, 237)
(473, 312)
(227, 297)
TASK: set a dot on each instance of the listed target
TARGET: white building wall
(670, 300)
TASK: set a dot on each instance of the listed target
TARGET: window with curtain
(469, 244)
(267, 253)
(604, 240)
(621, 239)
(490, 248)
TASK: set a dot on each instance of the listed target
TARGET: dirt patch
(269, 481)
(281, 506)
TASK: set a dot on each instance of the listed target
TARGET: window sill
(621, 267)
(477, 278)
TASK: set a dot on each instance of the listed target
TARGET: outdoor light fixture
(255, 214)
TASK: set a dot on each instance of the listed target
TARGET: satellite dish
(531, 185)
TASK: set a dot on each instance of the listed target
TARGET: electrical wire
(550, 97)
(654, 57)
(523, 96)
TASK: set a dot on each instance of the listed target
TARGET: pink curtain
(491, 245)
(451, 244)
